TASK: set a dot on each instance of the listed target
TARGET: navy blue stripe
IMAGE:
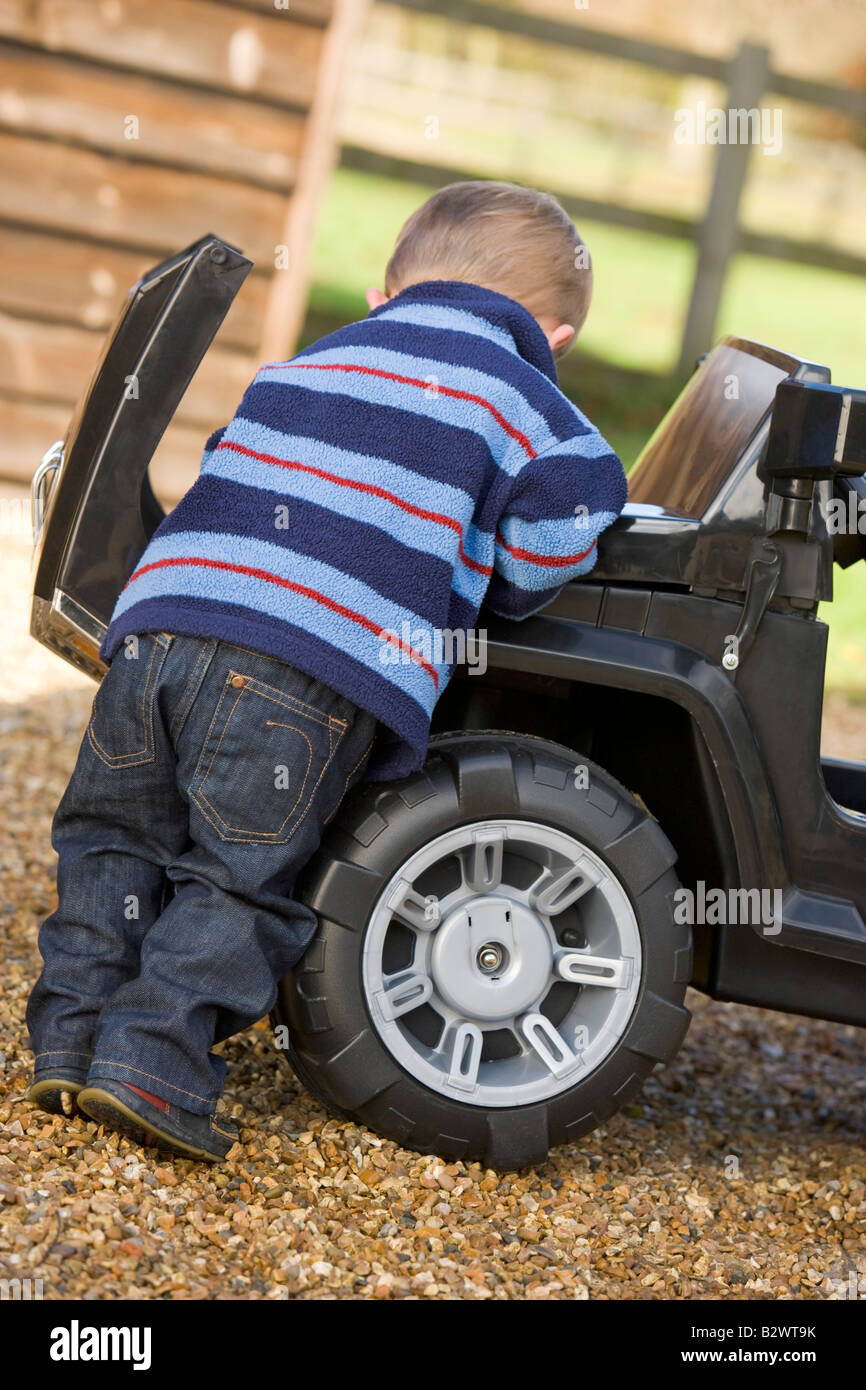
(461, 614)
(215, 438)
(552, 487)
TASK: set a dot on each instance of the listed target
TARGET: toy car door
(93, 507)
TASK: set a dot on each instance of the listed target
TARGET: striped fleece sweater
(371, 492)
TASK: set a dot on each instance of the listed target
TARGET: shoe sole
(106, 1109)
(48, 1095)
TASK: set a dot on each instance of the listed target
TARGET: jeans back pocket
(263, 759)
(121, 730)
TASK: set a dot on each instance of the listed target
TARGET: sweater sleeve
(560, 503)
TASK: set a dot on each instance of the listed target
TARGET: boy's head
(507, 238)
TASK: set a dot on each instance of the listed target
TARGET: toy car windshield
(706, 431)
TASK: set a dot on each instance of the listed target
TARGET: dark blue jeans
(202, 785)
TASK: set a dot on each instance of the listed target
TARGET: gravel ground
(740, 1173)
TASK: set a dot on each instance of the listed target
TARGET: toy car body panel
(101, 510)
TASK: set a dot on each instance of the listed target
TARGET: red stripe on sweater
(410, 381)
(554, 560)
(314, 594)
(294, 464)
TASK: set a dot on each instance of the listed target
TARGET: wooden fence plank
(27, 428)
(267, 56)
(82, 103)
(848, 100)
(81, 282)
(310, 11)
(816, 253)
(58, 187)
(717, 239)
(390, 166)
(287, 299)
(54, 362)
(570, 35)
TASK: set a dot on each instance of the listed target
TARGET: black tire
(333, 1046)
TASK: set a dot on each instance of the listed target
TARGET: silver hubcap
(502, 963)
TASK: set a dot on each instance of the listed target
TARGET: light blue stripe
(534, 579)
(183, 582)
(583, 446)
(528, 575)
(440, 316)
(460, 376)
(561, 536)
(479, 545)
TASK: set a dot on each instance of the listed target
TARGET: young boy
(386, 480)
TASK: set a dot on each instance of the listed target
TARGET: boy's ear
(375, 298)
(561, 339)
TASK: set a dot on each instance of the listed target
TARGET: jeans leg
(211, 963)
(120, 821)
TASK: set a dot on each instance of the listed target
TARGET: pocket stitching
(260, 834)
(140, 755)
(278, 724)
(215, 819)
(314, 790)
(271, 692)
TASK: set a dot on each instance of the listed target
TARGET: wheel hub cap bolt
(489, 957)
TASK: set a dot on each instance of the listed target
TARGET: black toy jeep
(630, 799)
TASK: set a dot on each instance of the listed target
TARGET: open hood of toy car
(94, 509)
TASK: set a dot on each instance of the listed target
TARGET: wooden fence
(127, 130)
(748, 77)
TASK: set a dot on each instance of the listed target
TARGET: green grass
(618, 372)
(846, 615)
(357, 227)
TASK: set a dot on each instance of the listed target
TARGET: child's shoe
(56, 1091)
(155, 1123)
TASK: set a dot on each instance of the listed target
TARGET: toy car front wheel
(497, 967)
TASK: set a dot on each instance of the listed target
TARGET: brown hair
(515, 240)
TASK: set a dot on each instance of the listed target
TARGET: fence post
(717, 238)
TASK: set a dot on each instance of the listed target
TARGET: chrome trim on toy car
(40, 490)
